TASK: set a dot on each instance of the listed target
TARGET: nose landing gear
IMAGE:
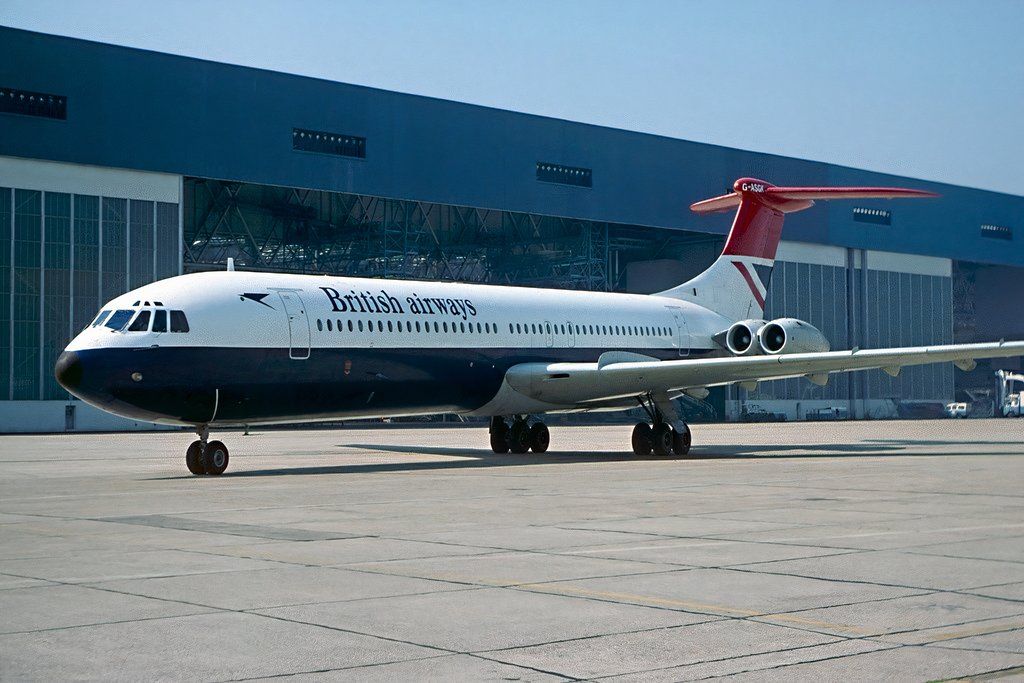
(206, 457)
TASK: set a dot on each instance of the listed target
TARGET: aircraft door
(549, 335)
(298, 325)
(682, 332)
(570, 337)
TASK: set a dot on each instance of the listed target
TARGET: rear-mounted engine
(789, 335)
(741, 337)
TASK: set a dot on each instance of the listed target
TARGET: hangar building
(120, 166)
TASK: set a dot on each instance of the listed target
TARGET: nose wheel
(206, 457)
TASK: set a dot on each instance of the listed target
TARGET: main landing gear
(665, 435)
(206, 457)
(519, 437)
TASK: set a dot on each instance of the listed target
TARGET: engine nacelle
(741, 337)
(789, 335)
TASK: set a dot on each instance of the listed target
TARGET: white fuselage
(264, 347)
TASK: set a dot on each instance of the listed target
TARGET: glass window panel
(57, 287)
(140, 244)
(815, 314)
(118, 319)
(141, 322)
(87, 261)
(26, 294)
(6, 210)
(160, 321)
(114, 231)
(873, 295)
(166, 240)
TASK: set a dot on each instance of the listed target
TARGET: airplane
(233, 348)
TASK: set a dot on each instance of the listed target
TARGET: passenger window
(417, 325)
(160, 321)
(178, 321)
(100, 318)
(360, 325)
(141, 322)
(350, 326)
(390, 327)
(319, 324)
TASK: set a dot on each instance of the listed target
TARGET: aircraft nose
(68, 370)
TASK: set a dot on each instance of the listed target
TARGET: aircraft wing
(583, 383)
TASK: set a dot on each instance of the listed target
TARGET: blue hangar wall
(135, 109)
(88, 200)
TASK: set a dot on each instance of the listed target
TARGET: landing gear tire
(661, 439)
(215, 458)
(519, 437)
(194, 458)
(642, 439)
(499, 436)
(681, 440)
(540, 437)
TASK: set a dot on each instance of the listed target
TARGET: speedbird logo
(258, 297)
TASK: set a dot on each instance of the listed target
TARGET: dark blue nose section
(69, 370)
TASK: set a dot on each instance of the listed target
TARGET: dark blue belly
(199, 385)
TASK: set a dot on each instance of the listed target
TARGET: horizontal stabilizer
(790, 199)
(813, 193)
(723, 202)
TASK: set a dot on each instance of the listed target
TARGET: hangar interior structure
(120, 166)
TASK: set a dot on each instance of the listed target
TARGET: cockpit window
(100, 318)
(119, 319)
(178, 322)
(141, 322)
(160, 321)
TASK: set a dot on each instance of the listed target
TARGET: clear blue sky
(932, 89)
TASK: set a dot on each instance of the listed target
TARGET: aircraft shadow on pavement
(479, 457)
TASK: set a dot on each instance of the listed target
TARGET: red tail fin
(736, 285)
(757, 228)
